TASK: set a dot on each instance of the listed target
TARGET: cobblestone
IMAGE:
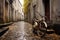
(23, 31)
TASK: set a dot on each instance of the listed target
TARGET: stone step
(3, 30)
(47, 30)
(5, 24)
(50, 30)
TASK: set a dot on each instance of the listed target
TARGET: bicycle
(39, 27)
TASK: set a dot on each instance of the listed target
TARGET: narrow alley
(29, 19)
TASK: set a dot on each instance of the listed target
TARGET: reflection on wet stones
(23, 31)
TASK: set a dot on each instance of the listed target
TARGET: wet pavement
(23, 31)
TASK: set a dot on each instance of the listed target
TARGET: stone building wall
(18, 10)
(10, 10)
(55, 11)
(1, 11)
(36, 10)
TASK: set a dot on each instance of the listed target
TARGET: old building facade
(48, 8)
(35, 9)
(55, 11)
(10, 10)
(18, 11)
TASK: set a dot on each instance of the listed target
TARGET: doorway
(47, 9)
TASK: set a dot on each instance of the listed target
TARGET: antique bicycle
(39, 27)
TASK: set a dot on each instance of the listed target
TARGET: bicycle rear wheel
(42, 29)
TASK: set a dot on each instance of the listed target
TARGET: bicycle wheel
(42, 29)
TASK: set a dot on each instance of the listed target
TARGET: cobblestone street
(23, 31)
(29, 19)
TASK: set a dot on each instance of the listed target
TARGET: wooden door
(47, 9)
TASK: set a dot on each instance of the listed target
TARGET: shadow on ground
(56, 28)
